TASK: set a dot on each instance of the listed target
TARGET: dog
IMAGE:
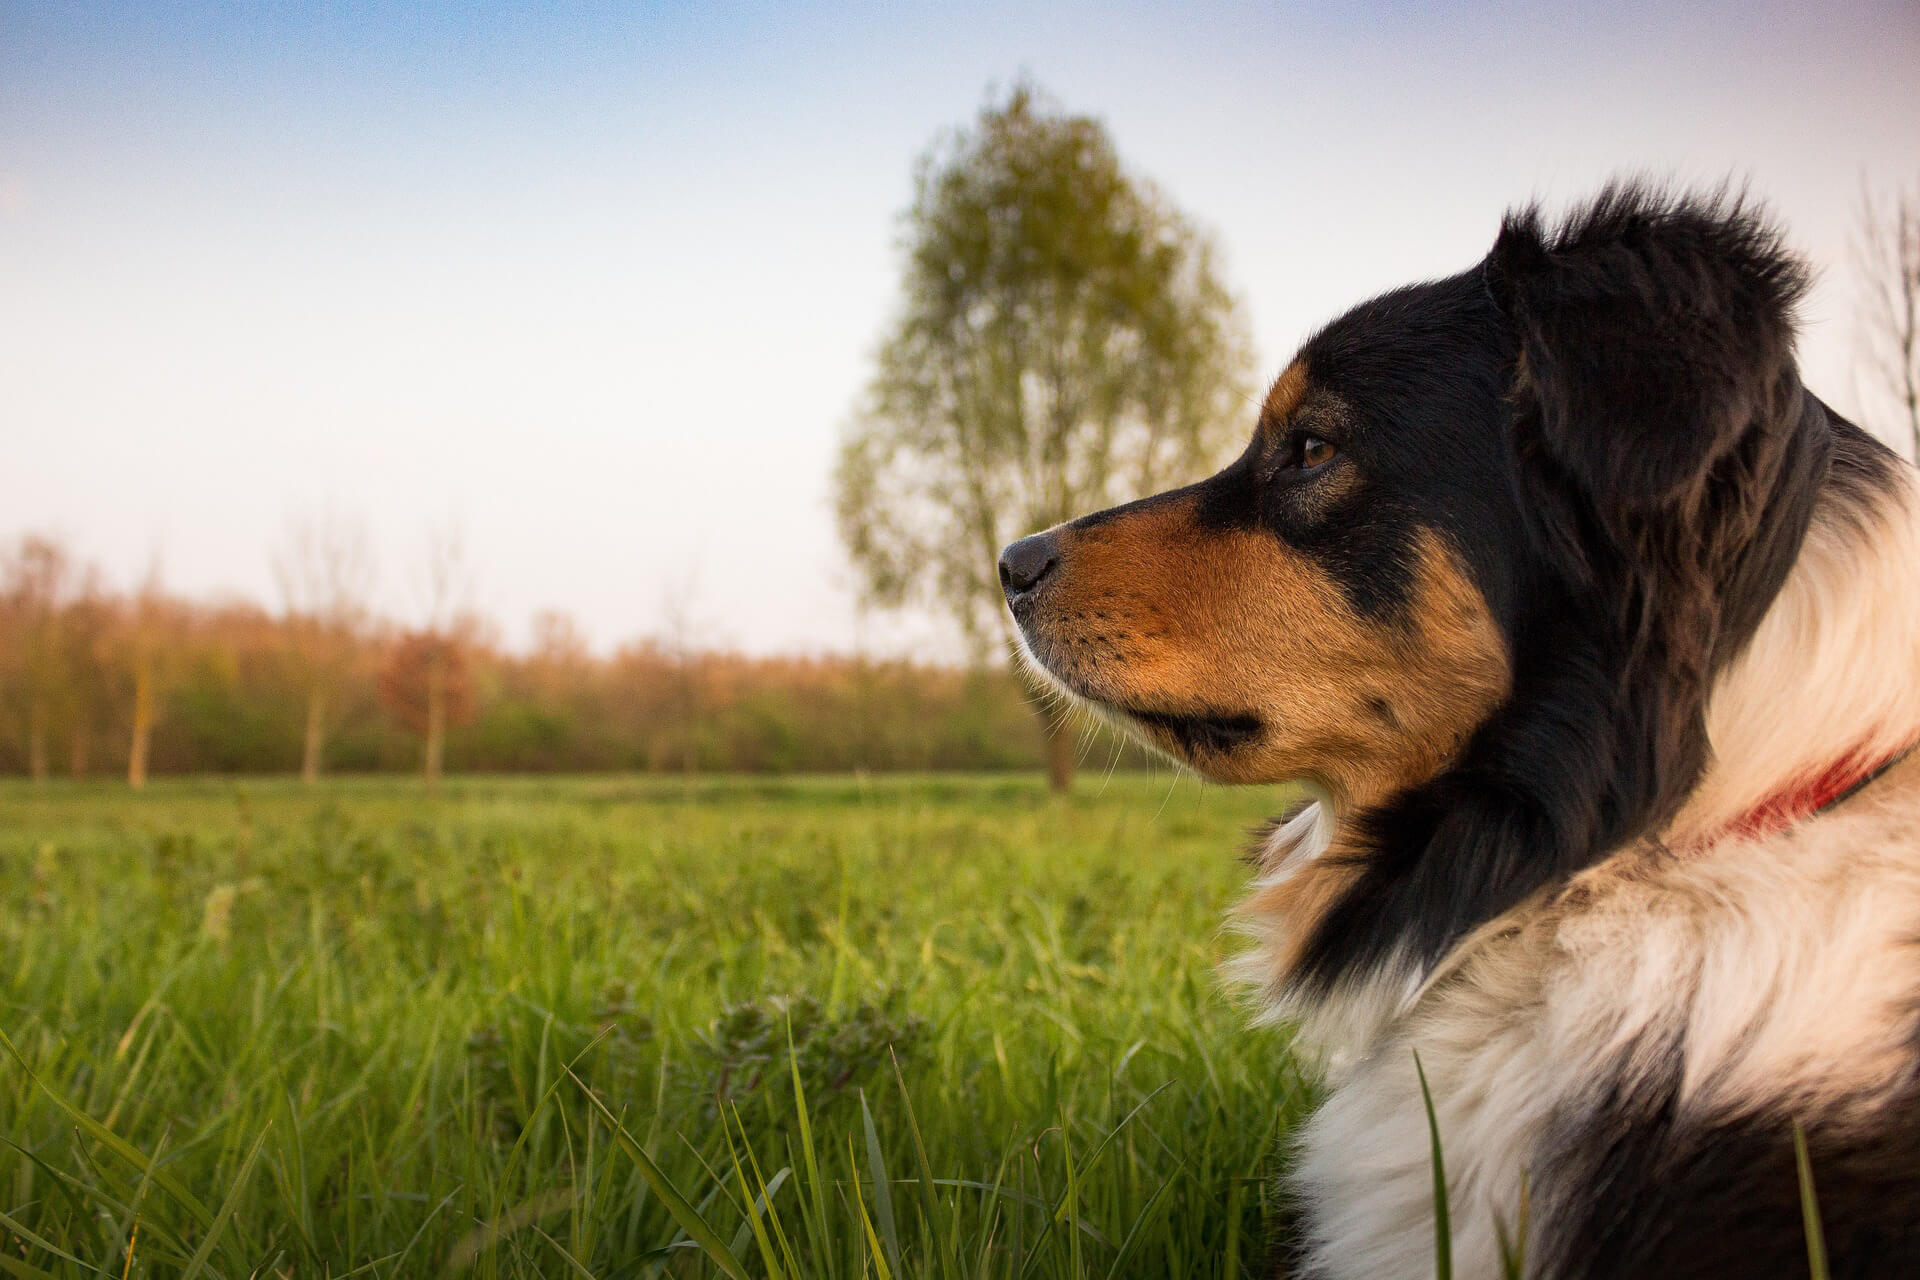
(1592, 635)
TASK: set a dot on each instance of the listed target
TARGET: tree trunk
(142, 726)
(436, 721)
(37, 741)
(316, 735)
(1907, 232)
(77, 745)
(1060, 753)
(689, 718)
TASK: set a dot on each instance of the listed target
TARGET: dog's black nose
(1025, 562)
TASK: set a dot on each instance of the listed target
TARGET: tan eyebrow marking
(1287, 391)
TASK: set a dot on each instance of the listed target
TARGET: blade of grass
(1442, 1228)
(819, 1228)
(873, 1241)
(1140, 1222)
(764, 1202)
(1100, 1148)
(1061, 1210)
(939, 1243)
(1230, 1263)
(516, 1152)
(83, 1213)
(571, 1261)
(14, 1267)
(113, 1141)
(993, 1214)
(1000, 1192)
(26, 1234)
(232, 1202)
(371, 1265)
(753, 1226)
(133, 1212)
(400, 1258)
(1809, 1207)
(293, 1190)
(1070, 1208)
(882, 1187)
(1513, 1249)
(663, 1189)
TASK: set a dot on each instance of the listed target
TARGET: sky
(597, 286)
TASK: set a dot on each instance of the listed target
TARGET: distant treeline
(98, 683)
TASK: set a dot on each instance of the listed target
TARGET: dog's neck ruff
(1841, 781)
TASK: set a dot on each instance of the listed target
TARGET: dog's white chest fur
(1763, 974)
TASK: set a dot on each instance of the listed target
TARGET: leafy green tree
(1063, 343)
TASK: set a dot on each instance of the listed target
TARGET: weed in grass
(834, 1053)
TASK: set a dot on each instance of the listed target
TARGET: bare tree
(561, 659)
(680, 641)
(1887, 258)
(324, 569)
(151, 643)
(426, 681)
(558, 639)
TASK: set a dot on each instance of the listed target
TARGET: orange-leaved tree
(150, 641)
(325, 573)
(427, 682)
(39, 581)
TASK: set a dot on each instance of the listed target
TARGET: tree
(427, 682)
(39, 583)
(89, 624)
(1063, 343)
(151, 643)
(325, 573)
(1887, 257)
(428, 685)
(680, 641)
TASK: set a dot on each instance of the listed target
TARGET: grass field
(900, 1027)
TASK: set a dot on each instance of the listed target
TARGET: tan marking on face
(1152, 612)
(1287, 391)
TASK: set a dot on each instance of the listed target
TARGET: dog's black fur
(1628, 533)
(1664, 464)
(1643, 1189)
(1605, 423)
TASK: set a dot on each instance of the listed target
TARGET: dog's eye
(1310, 452)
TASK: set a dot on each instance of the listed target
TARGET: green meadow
(837, 1027)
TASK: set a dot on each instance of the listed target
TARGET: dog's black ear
(1653, 333)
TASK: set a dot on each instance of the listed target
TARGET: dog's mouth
(1192, 734)
(1199, 733)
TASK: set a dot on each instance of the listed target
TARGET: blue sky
(599, 284)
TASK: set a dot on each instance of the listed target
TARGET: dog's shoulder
(1629, 1057)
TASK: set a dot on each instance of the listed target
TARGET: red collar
(1781, 810)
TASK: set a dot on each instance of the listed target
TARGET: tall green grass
(919, 1027)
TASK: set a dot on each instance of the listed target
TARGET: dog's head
(1472, 575)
